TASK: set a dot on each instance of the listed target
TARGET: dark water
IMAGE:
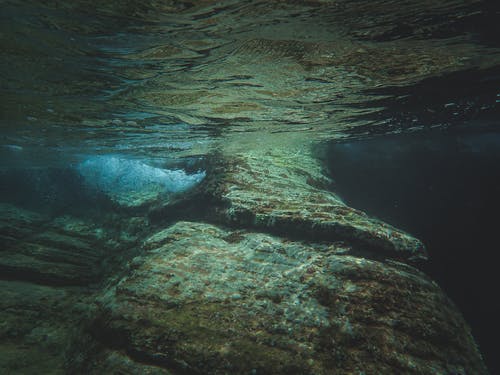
(442, 187)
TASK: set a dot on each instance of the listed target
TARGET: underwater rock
(49, 269)
(37, 326)
(203, 299)
(116, 362)
(16, 224)
(64, 251)
(287, 193)
(206, 300)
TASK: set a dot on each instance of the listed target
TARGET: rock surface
(65, 250)
(37, 325)
(285, 191)
(49, 270)
(206, 300)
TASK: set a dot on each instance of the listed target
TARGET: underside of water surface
(249, 187)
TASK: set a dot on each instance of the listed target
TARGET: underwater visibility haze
(249, 187)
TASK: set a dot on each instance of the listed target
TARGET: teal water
(116, 117)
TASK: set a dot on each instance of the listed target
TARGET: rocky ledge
(206, 300)
(278, 275)
(62, 250)
(50, 270)
(285, 191)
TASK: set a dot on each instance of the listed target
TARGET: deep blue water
(444, 188)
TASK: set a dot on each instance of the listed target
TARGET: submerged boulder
(65, 250)
(37, 325)
(61, 251)
(284, 191)
(206, 300)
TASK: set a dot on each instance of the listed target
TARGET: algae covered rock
(63, 250)
(206, 300)
(284, 191)
(37, 325)
(66, 250)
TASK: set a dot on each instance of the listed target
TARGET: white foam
(115, 175)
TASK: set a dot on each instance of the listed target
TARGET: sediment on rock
(64, 250)
(38, 324)
(50, 267)
(203, 299)
(272, 191)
